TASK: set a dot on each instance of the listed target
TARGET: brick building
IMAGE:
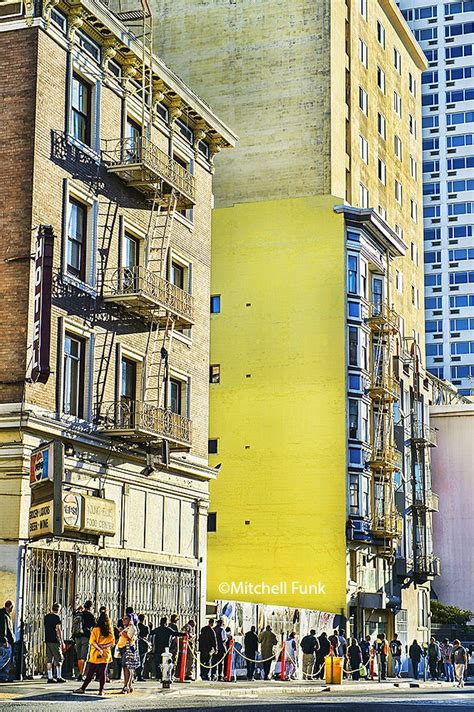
(107, 162)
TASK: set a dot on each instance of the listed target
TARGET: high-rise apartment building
(445, 31)
(107, 162)
(319, 398)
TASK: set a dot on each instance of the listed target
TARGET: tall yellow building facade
(318, 389)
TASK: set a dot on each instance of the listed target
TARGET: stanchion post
(228, 661)
(184, 654)
(282, 670)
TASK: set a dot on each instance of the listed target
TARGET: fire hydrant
(166, 669)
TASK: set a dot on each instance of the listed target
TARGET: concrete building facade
(445, 30)
(319, 391)
(452, 472)
(107, 163)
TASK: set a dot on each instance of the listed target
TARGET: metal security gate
(70, 579)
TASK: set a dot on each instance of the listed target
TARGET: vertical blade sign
(43, 277)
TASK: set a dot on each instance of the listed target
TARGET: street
(36, 696)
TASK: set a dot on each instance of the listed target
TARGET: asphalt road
(409, 701)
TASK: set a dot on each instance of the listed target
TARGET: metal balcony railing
(142, 291)
(385, 458)
(424, 434)
(427, 565)
(389, 525)
(383, 317)
(142, 164)
(135, 420)
(426, 500)
(383, 386)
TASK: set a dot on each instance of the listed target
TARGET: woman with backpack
(100, 642)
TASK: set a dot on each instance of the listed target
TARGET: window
(459, 164)
(215, 303)
(363, 53)
(353, 418)
(430, 167)
(399, 231)
(352, 274)
(463, 254)
(415, 296)
(430, 122)
(430, 144)
(460, 117)
(355, 456)
(426, 35)
(176, 396)
(382, 171)
(59, 19)
(381, 79)
(177, 275)
(433, 302)
(459, 95)
(463, 28)
(363, 101)
(430, 100)
(398, 191)
(461, 324)
(214, 373)
(420, 13)
(433, 233)
(354, 495)
(412, 125)
(382, 212)
(431, 55)
(73, 376)
(397, 147)
(461, 231)
(185, 130)
(413, 210)
(432, 257)
(461, 348)
(399, 281)
(81, 109)
(454, 8)
(76, 240)
(458, 51)
(422, 608)
(354, 382)
(397, 60)
(459, 186)
(433, 326)
(131, 252)
(434, 350)
(353, 346)
(411, 84)
(188, 166)
(414, 253)
(88, 45)
(459, 73)
(431, 211)
(397, 103)
(212, 521)
(461, 300)
(381, 34)
(364, 149)
(363, 196)
(433, 280)
(133, 134)
(461, 277)
(381, 125)
(377, 294)
(363, 8)
(459, 140)
(128, 385)
(212, 446)
(466, 208)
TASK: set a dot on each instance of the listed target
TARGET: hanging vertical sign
(43, 278)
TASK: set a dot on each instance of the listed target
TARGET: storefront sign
(99, 516)
(43, 277)
(72, 511)
(40, 521)
(42, 465)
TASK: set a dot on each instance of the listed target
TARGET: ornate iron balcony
(423, 434)
(143, 292)
(144, 422)
(143, 165)
(425, 566)
(383, 318)
(387, 526)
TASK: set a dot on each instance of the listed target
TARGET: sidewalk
(39, 689)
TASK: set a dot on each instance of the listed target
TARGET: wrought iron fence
(127, 415)
(71, 578)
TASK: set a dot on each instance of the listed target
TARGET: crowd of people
(131, 650)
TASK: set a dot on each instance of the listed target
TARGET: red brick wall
(18, 51)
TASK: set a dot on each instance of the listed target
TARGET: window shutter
(93, 244)
(97, 116)
(90, 379)
(59, 366)
(64, 219)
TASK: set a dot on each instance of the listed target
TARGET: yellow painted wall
(279, 410)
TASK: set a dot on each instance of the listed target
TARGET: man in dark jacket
(309, 645)
(221, 639)
(7, 639)
(250, 651)
(161, 639)
(321, 654)
(207, 646)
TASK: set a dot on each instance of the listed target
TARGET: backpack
(77, 630)
(395, 648)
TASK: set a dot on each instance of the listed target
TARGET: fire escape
(145, 292)
(384, 459)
